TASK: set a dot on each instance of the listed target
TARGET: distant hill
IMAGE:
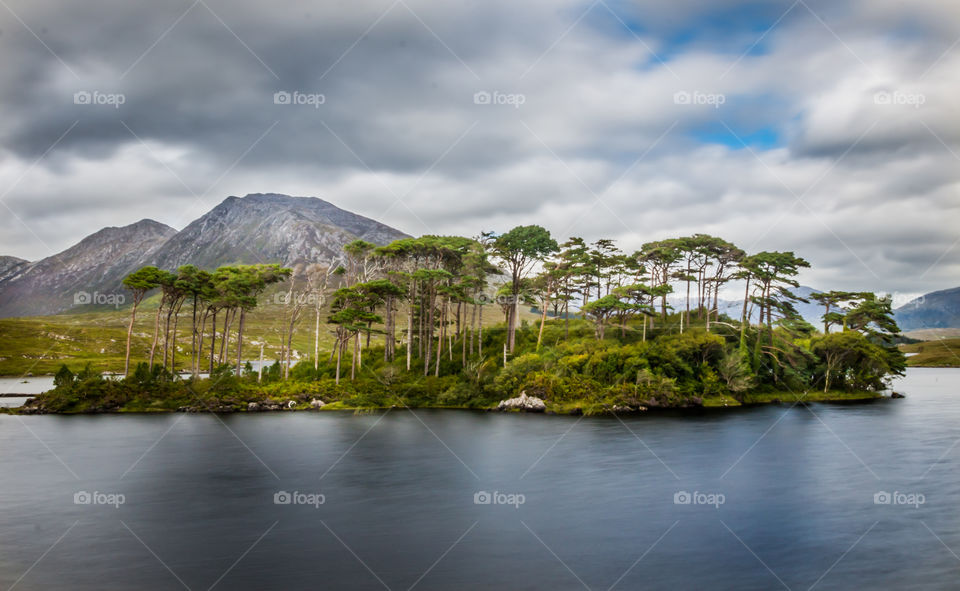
(95, 264)
(812, 312)
(939, 309)
(258, 228)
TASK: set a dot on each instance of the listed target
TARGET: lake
(31, 385)
(827, 497)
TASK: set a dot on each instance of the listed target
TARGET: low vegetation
(935, 353)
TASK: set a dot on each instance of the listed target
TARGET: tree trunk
(514, 320)
(243, 313)
(446, 329)
(133, 317)
(260, 366)
(388, 330)
(744, 317)
(166, 333)
(156, 334)
(543, 316)
(480, 332)
(193, 340)
(173, 341)
(421, 322)
(339, 349)
(413, 287)
(716, 296)
(356, 352)
(203, 328)
(443, 313)
(429, 333)
(316, 340)
(473, 326)
(225, 335)
(213, 339)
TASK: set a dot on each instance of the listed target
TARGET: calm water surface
(598, 499)
(31, 385)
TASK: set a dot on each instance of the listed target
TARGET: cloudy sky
(825, 127)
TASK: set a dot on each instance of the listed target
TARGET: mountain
(258, 228)
(269, 228)
(939, 309)
(10, 265)
(94, 265)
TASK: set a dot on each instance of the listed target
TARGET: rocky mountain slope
(939, 309)
(93, 266)
(258, 228)
(10, 266)
(269, 228)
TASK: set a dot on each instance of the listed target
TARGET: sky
(828, 128)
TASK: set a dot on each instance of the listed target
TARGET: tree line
(228, 292)
(425, 298)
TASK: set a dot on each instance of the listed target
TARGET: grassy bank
(577, 407)
(937, 353)
(145, 392)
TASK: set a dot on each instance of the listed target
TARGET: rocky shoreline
(522, 403)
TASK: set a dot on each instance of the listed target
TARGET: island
(511, 321)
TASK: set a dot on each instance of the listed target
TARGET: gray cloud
(878, 180)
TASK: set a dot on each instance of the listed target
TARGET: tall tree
(661, 258)
(191, 282)
(835, 304)
(601, 310)
(725, 257)
(521, 249)
(164, 278)
(250, 283)
(772, 274)
(139, 283)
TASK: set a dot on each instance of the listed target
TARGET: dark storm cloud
(599, 146)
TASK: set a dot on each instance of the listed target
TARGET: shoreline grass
(568, 408)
